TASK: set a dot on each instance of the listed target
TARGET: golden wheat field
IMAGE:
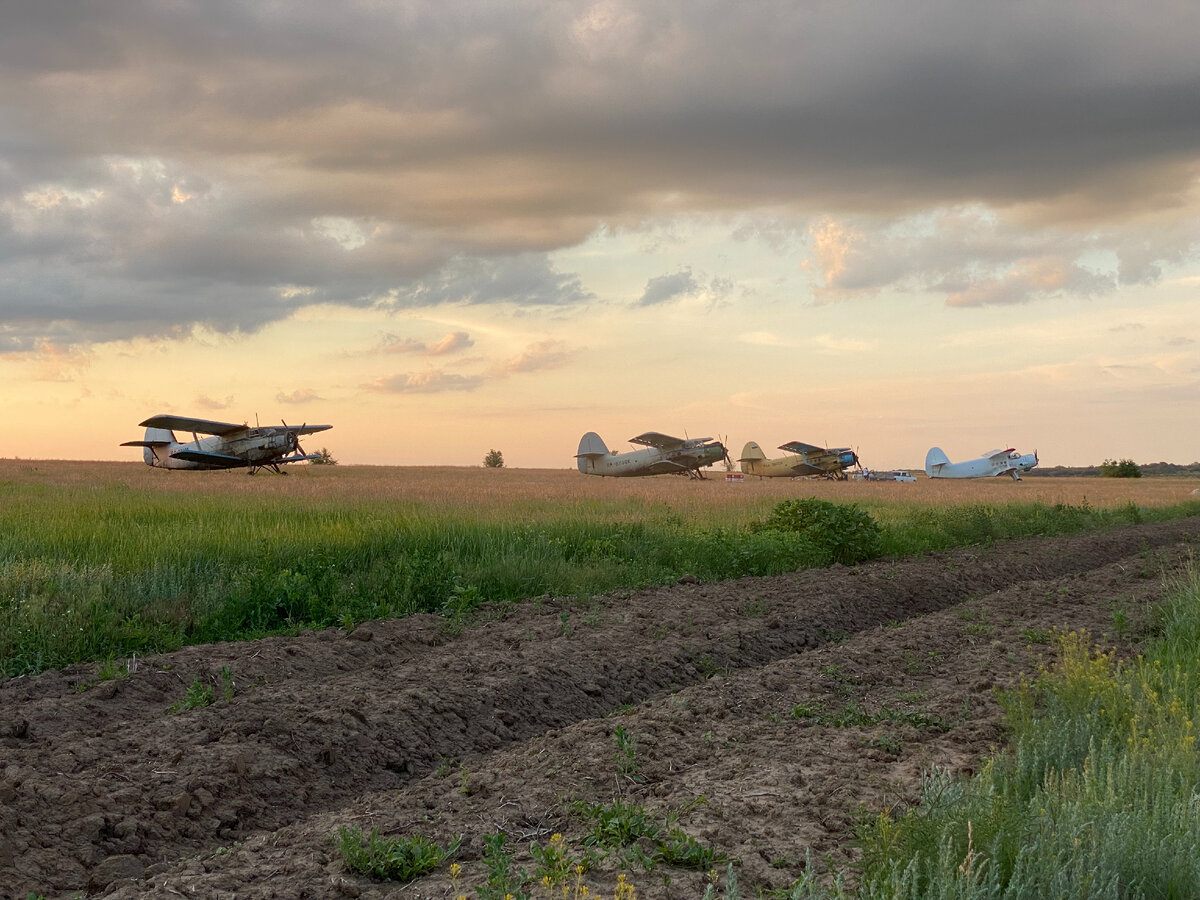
(490, 494)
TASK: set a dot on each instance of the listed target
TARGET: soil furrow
(98, 783)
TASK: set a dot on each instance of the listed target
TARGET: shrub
(848, 534)
(324, 458)
(1125, 468)
(494, 459)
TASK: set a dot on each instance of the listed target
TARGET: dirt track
(408, 727)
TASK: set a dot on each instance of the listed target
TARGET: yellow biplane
(803, 460)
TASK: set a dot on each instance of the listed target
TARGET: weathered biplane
(994, 462)
(230, 446)
(663, 455)
(803, 460)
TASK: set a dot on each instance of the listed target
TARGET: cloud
(664, 288)
(969, 255)
(206, 402)
(549, 354)
(425, 383)
(525, 280)
(166, 167)
(451, 343)
(304, 395)
(1030, 279)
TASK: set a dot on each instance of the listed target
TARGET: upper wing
(202, 426)
(306, 429)
(801, 447)
(995, 454)
(661, 441)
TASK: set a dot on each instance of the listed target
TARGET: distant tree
(494, 459)
(1124, 468)
(324, 458)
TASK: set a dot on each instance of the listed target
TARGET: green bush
(1125, 468)
(848, 534)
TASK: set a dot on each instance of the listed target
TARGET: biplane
(804, 460)
(662, 455)
(229, 446)
(994, 462)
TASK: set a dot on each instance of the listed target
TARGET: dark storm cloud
(225, 163)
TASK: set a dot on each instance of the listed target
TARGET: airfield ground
(411, 727)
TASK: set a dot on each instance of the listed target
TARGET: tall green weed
(1098, 795)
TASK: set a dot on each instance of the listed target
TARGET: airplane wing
(222, 460)
(659, 441)
(201, 426)
(998, 454)
(305, 429)
(801, 447)
(806, 469)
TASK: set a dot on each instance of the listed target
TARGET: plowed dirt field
(409, 726)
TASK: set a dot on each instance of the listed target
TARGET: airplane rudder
(934, 460)
(752, 451)
(936, 457)
(160, 435)
(592, 445)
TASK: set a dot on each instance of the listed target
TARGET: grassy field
(99, 560)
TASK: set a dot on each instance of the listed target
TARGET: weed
(886, 743)
(502, 882)
(680, 849)
(111, 671)
(617, 825)
(198, 694)
(756, 609)
(626, 755)
(554, 862)
(391, 859)
(805, 711)
(1036, 636)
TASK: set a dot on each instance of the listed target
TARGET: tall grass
(1098, 795)
(100, 567)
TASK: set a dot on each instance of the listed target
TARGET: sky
(448, 227)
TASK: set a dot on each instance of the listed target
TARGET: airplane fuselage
(651, 461)
(770, 468)
(803, 460)
(255, 446)
(1009, 462)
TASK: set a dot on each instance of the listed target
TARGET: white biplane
(994, 462)
(229, 447)
(663, 455)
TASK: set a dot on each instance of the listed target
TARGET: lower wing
(221, 460)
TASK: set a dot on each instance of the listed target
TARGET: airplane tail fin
(590, 447)
(155, 438)
(751, 452)
(934, 460)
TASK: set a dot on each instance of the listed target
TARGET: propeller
(725, 453)
(294, 439)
